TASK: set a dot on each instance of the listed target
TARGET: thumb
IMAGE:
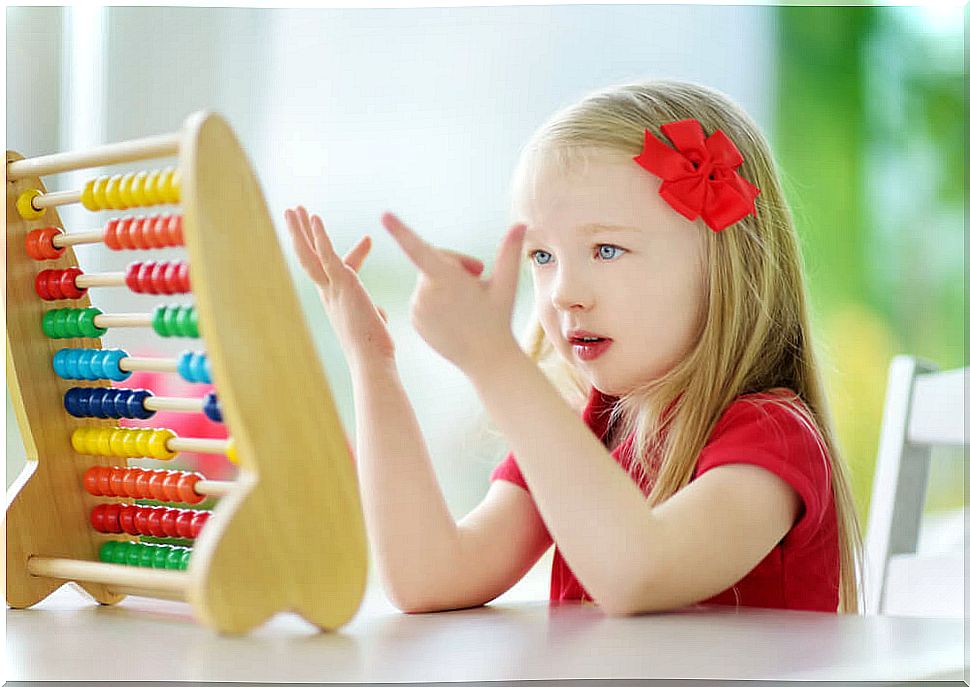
(505, 276)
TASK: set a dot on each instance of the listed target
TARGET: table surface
(67, 637)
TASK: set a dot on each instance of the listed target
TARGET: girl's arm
(629, 556)
(425, 560)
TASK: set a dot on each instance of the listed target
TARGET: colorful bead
(210, 407)
(123, 191)
(123, 441)
(52, 285)
(158, 277)
(193, 366)
(175, 320)
(90, 363)
(39, 243)
(26, 207)
(108, 403)
(70, 323)
(139, 483)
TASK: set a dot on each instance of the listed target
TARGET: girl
(669, 295)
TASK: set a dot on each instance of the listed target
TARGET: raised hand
(463, 317)
(359, 324)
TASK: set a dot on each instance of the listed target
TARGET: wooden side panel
(291, 537)
(47, 507)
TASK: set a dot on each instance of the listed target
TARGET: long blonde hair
(757, 335)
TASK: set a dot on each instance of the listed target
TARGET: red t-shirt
(802, 571)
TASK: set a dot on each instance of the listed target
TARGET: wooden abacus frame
(289, 535)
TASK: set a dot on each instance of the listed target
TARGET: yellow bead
(100, 184)
(78, 440)
(125, 190)
(176, 187)
(159, 447)
(165, 185)
(87, 196)
(151, 188)
(26, 208)
(143, 442)
(138, 188)
(231, 453)
(117, 442)
(101, 441)
(113, 193)
(130, 446)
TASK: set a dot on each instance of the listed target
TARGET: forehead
(593, 188)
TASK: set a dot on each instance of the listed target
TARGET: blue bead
(59, 362)
(112, 364)
(136, 404)
(211, 408)
(83, 364)
(96, 402)
(183, 366)
(71, 401)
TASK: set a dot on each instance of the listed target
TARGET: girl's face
(609, 256)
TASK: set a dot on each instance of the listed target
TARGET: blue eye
(534, 257)
(608, 251)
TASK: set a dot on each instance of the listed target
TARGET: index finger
(422, 254)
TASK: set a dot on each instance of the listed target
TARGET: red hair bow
(699, 177)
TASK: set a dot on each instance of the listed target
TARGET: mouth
(589, 347)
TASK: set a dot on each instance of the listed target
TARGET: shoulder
(774, 430)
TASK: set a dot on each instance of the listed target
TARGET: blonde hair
(756, 337)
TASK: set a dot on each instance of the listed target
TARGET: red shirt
(802, 571)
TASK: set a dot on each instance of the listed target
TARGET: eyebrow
(599, 229)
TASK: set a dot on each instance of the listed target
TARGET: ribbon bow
(699, 176)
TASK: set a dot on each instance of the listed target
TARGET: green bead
(171, 320)
(59, 323)
(194, 323)
(86, 323)
(146, 555)
(105, 553)
(132, 554)
(173, 561)
(160, 554)
(185, 559)
(47, 324)
(158, 320)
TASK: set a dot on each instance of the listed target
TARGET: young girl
(669, 293)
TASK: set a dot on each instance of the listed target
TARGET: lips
(588, 345)
(581, 336)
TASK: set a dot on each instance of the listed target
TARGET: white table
(66, 637)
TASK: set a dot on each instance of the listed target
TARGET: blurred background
(423, 112)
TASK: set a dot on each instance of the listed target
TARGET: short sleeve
(773, 436)
(508, 470)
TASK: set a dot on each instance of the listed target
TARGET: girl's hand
(359, 324)
(463, 317)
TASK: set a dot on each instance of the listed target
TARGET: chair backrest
(924, 408)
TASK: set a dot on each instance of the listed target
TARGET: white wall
(352, 112)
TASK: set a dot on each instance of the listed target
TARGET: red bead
(116, 480)
(141, 520)
(199, 519)
(168, 522)
(42, 285)
(126, 519)
(124, 233)
(183, 524)
(158, 227)
(141, 484)
(92, 480)
(155, 522)
(111, 511)
(104, 481)
(187, 492)
(97, 517)
(170, 486)
(183, 277)
(175, 231)
(111, 235)
(155, 485)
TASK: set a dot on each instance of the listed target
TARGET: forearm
(413, 536)
(593, 510)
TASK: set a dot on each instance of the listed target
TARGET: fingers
(505, 276)
(425, 256)
(473, 265)
(305, 252)
(355, 256)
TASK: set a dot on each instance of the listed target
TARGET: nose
(572, 292)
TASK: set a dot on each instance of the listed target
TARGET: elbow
(631, 595)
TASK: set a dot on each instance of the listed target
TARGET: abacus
(287, 533)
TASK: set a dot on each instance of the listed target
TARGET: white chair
(924, 408)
